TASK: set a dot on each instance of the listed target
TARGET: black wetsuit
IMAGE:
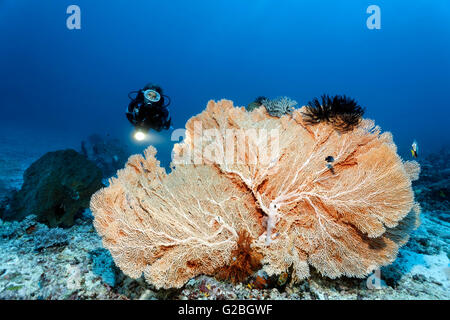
(154, 115)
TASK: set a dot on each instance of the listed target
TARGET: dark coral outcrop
(56, 187)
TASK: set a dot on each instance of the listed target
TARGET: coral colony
(314, 187)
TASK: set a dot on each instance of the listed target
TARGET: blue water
(66, 84)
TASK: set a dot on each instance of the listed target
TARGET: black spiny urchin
(342, 112)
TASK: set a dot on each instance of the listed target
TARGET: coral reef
(433, 189)
(103, 266)
(15, 229)
(55, 272)
(109, 154)
(70, 272)
(279, 106)
(9, 230)
(56, 187)
(419, 272)
(43, 236)
(46, 238)
(17, 152)
(295, 211)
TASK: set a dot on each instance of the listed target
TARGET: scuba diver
(148, 110)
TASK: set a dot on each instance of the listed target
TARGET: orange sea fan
(244, 260)
(268, 177)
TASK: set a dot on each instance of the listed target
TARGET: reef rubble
(77, 267)
(80, 269)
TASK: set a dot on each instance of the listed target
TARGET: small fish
(329, 159)
(330, 166)
(415, 149)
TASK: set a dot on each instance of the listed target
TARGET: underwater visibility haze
(342, 201)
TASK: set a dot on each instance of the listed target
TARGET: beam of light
(140, 136)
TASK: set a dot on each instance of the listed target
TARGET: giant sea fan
(291, 209)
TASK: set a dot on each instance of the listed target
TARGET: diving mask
(151, 96)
